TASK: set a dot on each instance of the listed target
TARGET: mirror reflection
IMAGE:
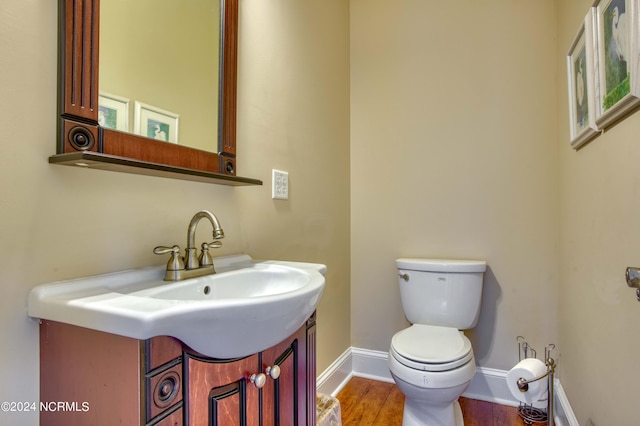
(159, 69)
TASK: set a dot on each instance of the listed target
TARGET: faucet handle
(176, 262)
(205, 258)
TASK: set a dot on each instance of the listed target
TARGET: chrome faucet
(192, 265)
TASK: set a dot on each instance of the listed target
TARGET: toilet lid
(428, 347)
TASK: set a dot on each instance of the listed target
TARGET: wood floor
(366, 402)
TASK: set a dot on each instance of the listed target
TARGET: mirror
(158, 69)
(82, 141)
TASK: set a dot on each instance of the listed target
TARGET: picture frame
(155, 123)
(580, 72)
(616, 60)
(113, 112)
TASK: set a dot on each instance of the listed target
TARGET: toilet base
(431, 406)
(416, 414)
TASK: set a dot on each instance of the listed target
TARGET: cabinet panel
(280, 404)
(219, 392)
(283, 398)
(163, 383)
(79, 365)
(310, 371)
(161, 350)
(173, 419)
(163, 390)
(227, 405)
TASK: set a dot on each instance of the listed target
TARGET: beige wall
(293, 103)
(459, 148)
(599, 315)
(59, 222)
(453, 154)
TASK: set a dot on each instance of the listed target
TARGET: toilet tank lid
(441, 265)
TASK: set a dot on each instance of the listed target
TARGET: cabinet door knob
(273, 371)
(258, 379)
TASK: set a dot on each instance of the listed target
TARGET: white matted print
(155, 123)
(113, 112)
(616, 61)
(581, 84)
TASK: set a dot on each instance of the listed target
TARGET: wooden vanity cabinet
(161, 382)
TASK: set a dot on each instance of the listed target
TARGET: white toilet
(432, 361)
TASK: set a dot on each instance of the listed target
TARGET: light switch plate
(279, 185)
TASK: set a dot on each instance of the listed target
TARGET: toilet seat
(431, 348)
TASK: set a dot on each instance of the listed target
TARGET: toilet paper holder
(528, 412)
(523, 384)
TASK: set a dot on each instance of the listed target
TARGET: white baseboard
(488, 384)
(371, 364)
(564, 413)
(335, 377)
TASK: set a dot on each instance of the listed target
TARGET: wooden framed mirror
(83, 142)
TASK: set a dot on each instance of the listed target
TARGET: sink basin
(259, 280)
(246, 307)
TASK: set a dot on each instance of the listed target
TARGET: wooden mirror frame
(82, 142)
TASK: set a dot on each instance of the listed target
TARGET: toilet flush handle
(404, 276)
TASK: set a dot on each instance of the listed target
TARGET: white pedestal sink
(245, 308)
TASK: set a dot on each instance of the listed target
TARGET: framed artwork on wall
(616, 59)
(581, 85)
(155, 123)
(113, 112)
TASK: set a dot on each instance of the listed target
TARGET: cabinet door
(219, 392)
(284, 398)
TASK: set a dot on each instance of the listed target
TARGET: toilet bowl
(432, 379)
(432, 361)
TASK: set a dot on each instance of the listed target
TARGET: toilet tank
(442, 292)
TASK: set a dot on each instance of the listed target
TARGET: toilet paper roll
(528, 368)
